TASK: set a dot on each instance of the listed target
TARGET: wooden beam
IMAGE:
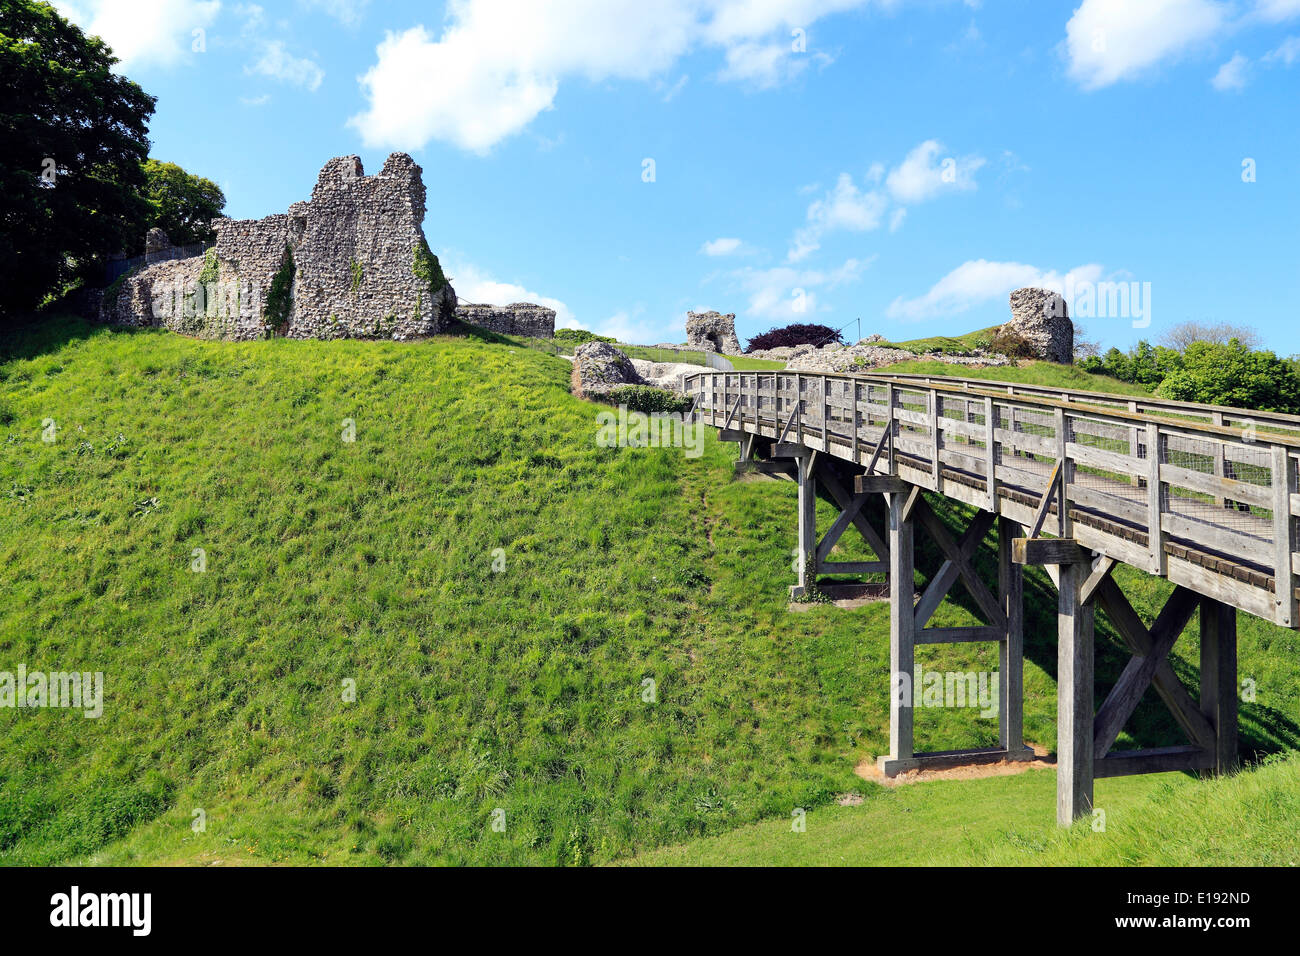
(1138, 673)
(880, 484)
(807, 542)
(1011, 652)
(1074, 682)
(902, 628)
(1219, 679)
(958, 635)
(1101, 568)
(1125, 763)
(843, 497)
(1049, 551)
(1168, 686)
(956, 564)
(1053, 483)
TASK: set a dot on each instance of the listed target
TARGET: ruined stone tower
(352, 262)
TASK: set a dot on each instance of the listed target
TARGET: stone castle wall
(359, 264)
(518, 318)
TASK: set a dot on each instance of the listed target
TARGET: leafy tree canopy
(73, 138)
(183, 205)
(1232, 374)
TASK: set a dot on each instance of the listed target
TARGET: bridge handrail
(1217, 414)
(1213, 507)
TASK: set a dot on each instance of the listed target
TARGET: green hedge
(647, 398)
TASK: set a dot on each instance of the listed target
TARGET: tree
(73, 136)
(183, 205)
(1144, 364)
(1232, 374)
(1180, 336)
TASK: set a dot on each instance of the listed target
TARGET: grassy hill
(333, 564)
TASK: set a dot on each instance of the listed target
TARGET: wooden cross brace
(957, 563)
(1149, 666)
(850, 514)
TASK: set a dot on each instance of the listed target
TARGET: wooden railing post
(1156, 531)
(990, 447)
(1283, 474)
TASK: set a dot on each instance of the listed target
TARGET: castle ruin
(351, 262)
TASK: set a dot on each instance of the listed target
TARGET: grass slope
(1252, 818)
(370, 561)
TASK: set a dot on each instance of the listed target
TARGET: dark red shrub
(791, 335)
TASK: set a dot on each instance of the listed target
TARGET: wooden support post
(990, 448)
(902, 636)
(1011, 652)
(1219, 679)
(1074, 681)
(807, 548)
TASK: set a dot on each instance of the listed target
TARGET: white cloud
(1111, 40)
(497, 64)
(923, 174)
(721, 247)
(1232, 75)
(978, 281)
(843, 207)
(790, 294)
(256, 100)
(473, 284)
(627, 327)
(278, 63)
(143, 32)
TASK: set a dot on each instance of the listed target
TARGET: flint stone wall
(519, 318)
(712, 332)
(354, 249)
(1040, 317)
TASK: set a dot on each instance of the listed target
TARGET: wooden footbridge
(1075, 481)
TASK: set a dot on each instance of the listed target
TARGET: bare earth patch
(867, 769)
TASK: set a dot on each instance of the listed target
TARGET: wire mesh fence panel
(1224, 485)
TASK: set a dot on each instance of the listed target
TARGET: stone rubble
(598, 368)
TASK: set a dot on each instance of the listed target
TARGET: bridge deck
(1202, 495)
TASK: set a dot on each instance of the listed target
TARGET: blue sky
(905, 163)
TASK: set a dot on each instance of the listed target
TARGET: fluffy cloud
(921, 176)
(143, 32)
(721, 247)
(1275, 11)
(1111, 40)
(277, 63)
(1286, 54)
(789, 294)
(1232, 75)
(497, 64)
(979, 281)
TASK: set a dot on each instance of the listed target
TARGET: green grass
(945, 343)
(372, 561)
(1028, 373)
(1252, 818)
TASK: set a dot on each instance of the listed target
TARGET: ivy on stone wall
(427, 267)
(279, 298)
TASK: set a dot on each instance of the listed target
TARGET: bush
(791, 335)
(1232, 374)
(1144, 364)
(1011, 344)
(649, 399)
(580, 337)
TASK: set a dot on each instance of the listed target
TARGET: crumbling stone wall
(352, 262)
(1041, 318)
(519, 318)
(712, 332)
